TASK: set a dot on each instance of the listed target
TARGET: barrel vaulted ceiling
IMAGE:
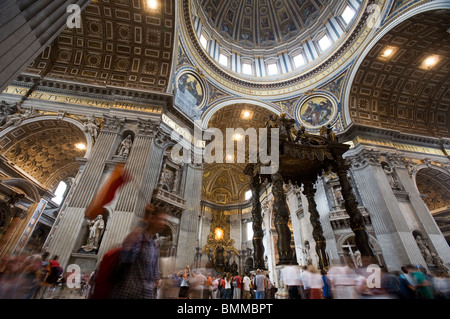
(120, 43)
(44, 150)
(399, 92)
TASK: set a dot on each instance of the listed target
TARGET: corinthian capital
(364, 158)
(395, 159)
(146, 127)
(112, 123)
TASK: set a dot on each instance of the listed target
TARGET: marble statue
(125, 146)
(424, 250)
(96, 228)
(91, 126)
(358, 259)
(439, 263)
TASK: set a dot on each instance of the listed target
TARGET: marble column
(143, 165)
(423, 215)
(187, 240)
(389, 224)
(129, 207)
(66, 229)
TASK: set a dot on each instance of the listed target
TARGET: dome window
(203, 41)
(298, 60)
(247, 69)
(348, 14)
(272, 69)
(324, 43)
(223, 59)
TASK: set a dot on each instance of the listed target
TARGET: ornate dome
(272, 48)
(262, 23)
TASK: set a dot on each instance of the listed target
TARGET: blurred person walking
(422, 283)
(139, 262)
(406, 281)
(315, 283)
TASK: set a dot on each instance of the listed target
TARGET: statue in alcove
(125, 146)
(424, 250)
(391, 176)
(96, 228)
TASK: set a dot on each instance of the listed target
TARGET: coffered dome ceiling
(266, 37)
(264, 23)
(399, 91)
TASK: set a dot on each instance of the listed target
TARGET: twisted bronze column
(319, 238)
(356, 219)
(258, 255)
(281, 211)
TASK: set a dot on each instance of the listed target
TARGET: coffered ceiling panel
(395, 88)
(120, 43)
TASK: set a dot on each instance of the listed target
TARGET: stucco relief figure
(6, 110)
(125, 146)
(96, 228)
(92, 126)
(16, 119)
(424, 250)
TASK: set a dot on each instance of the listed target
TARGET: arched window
(59, 193)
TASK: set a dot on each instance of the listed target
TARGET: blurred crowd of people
(202, 284)
(340, 282)
(343, 282)
(38, 276)
(29, 277)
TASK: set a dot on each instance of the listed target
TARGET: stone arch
(45, 148)
(433, 183)
(212, 110)
(26, 186)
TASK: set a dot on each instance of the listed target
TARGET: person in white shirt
(315, 283)
(246, 287)
(290, 276)
(343, 282)
(305, 277)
